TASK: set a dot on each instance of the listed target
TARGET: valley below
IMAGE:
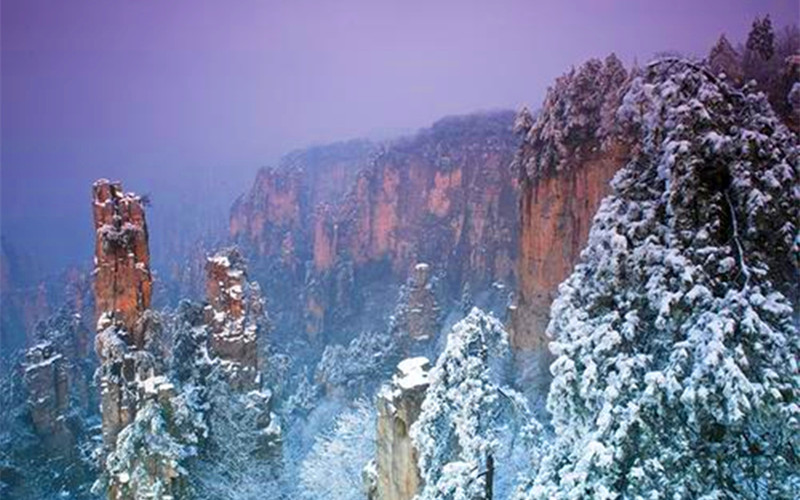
(595, 298)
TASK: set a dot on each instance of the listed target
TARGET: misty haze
(352, 250)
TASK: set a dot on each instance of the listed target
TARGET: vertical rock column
(399, 405)
(57, 376)
(123, 283)
(122, 290)
(235, 315)
(46, 377)
(423, 309)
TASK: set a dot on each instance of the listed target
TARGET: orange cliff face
(273, 215)
(274, 206)
(445, 196)
(324, 239)
(285, 211)
(556, 214)
(122, 280)
(568, 157)
(453, 208)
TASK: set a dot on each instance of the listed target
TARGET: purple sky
(173, 96)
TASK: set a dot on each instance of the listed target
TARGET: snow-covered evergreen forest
(669, 369)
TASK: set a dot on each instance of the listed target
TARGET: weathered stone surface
(568, 156)
(121, 364)
(47, 380)
(444, 196)
(556, 214)
(122, 286)
(441, 197)
(399, 405)
(122, 279)
(69, 337)
(275, 216)
(235, 315)
(422, 308)
(277, 220)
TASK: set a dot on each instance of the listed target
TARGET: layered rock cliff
(418, 314)
(275, 224)
(569, 153)
(444, 196)
(423, 310)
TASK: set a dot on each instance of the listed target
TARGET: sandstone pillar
(399, 405)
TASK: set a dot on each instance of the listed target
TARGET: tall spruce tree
(761, 39)
(470, 420)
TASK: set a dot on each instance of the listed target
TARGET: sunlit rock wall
(569, 153)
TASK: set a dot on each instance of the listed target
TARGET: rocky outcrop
(122, 279)
(235, 316)
(122, 296)
(569, 154)
(418, 314)
(141, 425)
(444, 196)
(47, 381)
(399, 405)
(65, 336)
(121, 365)
(45, 408)
(57, 371)
(282, 198)
(138, 469)
(276, 222)
(440, 197)
(423, 309)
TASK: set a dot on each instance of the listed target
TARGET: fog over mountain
(185, 101)
(317, 250)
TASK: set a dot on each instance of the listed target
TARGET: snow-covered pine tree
(677, 357)
(578, 115)
(761, 39)
(723, 59)
(238, 460)
(150, 454)
(468, 415)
